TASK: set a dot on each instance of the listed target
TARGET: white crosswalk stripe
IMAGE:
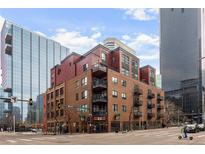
(27, 140)
(11, 141)
(38, 139)
(201, 136)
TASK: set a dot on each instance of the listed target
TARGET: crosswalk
(164, 134)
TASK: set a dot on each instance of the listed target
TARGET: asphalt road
(164, 136)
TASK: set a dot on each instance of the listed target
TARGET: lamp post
(201, 90)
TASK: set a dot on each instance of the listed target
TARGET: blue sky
(82, 29)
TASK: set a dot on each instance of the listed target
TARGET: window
(125, 72)
(70, 64)
(125, 59)
(114, 93)
(52, 95)
(135, 68)
(124, 108)
(114, 107)
(61, 91)
(182, 10)
(84, 108)
(77, 84)
(57, 113)
(114, 80)
(48, 96)
(172, 9)
(85, 67)
(124, 83)
(124, 96)
(104, 57)
(84, 94)
(57, 92)
(61, 113)
(76, 97)
(62, 101)
(84, 81)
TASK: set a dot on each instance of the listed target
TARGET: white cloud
(125, 37)
(146, 46)
(40, 33)
(142, 14)
(143, 39)
(96, 35)
(75, 40)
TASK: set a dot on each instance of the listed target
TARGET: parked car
(192, 128)
(34, 130)
(201, 127)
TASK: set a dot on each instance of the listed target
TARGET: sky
(82, 29)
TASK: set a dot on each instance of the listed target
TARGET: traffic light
(13, 99)
(30, 101)
(59, 105)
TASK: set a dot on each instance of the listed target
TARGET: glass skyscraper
(26, 60)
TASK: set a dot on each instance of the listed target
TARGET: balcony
(99, 70)
(137, 91)
(150, 105)
(8, 49)
(137, 114)
(160, 107)
(150, 95)
(150, 115)
(159, 98)
(138, 103)
(99, 98)
(8, 38)
(99, 84)
(99, 113)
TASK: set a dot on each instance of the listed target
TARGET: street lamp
(201, 91)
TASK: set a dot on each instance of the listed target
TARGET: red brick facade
(101, 94)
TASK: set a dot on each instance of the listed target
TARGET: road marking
(37, 139)
(200, 136)
(12, 141)
(27, 140)
(52, 138)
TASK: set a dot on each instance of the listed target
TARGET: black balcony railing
(150, 105)
(99, 83)
(150, 114)
(99, 67)
(138, 103)
(8, 49)
(159, 98)
(137, 90)
(99, 98)
(137, 113)
(99, 113)
(150, 95)
(159, 106)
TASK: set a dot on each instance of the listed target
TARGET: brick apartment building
(101, 91)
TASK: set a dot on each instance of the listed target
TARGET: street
(142, 137)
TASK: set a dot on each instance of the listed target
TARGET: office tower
(26, 60)
(182, 48)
